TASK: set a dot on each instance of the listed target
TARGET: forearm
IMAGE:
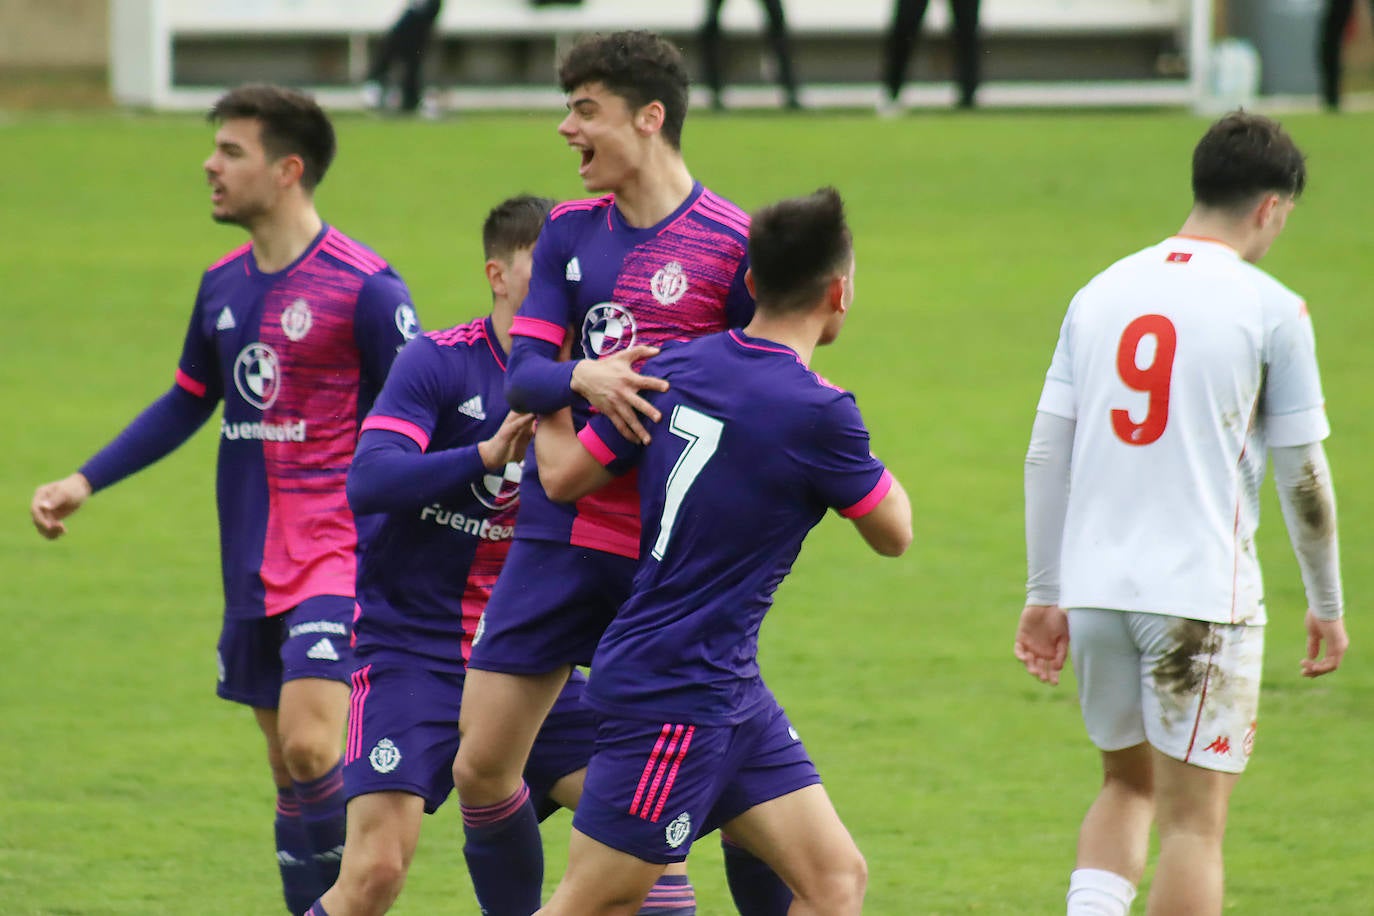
(157, 432)
(536, 382)
(390, 474)
(1047, 467)
(1308, 500)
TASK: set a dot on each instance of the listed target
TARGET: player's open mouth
(587, 157)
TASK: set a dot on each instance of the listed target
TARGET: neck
(1218, 228)
(502, 314)
(800, 332)
(651, 194)
(282, 237)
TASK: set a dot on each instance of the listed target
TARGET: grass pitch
(127, 788)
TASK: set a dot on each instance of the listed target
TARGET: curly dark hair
(638, 66)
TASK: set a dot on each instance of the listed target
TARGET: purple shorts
(549, 607)
(652, 789)
(403, 735)
(259, 654)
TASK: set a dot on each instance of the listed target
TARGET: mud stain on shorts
(1184, 668)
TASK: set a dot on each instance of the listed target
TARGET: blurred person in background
(902, 37)
(713, 52)
(405, 47)
(1335, 26)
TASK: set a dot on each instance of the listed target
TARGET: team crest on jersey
(407, 322)
(296, 320)
(608, 328)
(257, 375)
(499, 491)
(669, 283)
(678, 830)
(385, 756)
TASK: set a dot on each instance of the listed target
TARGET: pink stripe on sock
(492, 814)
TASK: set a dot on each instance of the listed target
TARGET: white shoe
(888, 108)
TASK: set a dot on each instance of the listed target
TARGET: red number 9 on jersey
(1152, 379)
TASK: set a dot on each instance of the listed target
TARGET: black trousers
(405, 45)
(712, 49)
(1337, 16)
(907, 16)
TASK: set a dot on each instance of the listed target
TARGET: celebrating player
(690, 738)
(1178, 370)
(659, 258)
(439, 460)
(295, 331)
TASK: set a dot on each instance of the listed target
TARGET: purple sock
(756, 888)
(299, 884)
(671, 896)
(317, 910)
(505, 855)
(324, 817)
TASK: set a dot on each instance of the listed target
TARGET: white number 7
(703, 437)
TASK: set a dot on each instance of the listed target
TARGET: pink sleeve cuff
(870, 502)
(189, 384)
(397, 425)
(592, 443)
(524, 326)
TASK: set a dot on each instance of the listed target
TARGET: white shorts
(1188, 687)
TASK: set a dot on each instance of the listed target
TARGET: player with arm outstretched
(657, 259)
(1179, 371)
(689, 737)
(295, 332)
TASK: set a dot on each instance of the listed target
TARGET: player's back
(1162, 363)
(742, 465)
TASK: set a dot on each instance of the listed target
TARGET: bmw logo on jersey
(257, 375)
(608, 328)
(499, 491)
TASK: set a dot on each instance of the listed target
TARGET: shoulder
(1280, 302)
(577, 211)
(459, 336)
(721, 215)
(352, 256)
(234, 257)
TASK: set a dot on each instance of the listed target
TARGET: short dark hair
(796, 246)
(638, 66)
(293, 124)
(514, 224)
(1243, 156)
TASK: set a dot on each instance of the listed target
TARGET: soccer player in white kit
(1178, 371)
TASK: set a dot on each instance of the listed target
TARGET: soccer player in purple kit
(295, 331)
(659, 258)
(751, 450)
(439, 461)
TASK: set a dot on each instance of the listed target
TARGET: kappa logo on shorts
(323, 651)
(678, 830)
(385, 756)
(1221, 746)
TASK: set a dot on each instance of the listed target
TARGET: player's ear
(290, 168)
(649, 118)
(1266, 210)
(835, 293)
(496, 277)
(749, 282)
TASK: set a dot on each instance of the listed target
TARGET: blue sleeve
(165, 424)
(837, 460)
(390, 473)
(383, 322)
(739, 304)
(535, 381)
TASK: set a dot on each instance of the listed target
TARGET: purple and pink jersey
(753, 448)
(613, 286)
(429, 568)
(298, 357)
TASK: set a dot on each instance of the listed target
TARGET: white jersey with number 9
(1180, 365)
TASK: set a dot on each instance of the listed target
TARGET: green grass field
(126, 787)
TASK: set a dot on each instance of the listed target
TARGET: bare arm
(1308, 500)
(887, 526)
(567, 470)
